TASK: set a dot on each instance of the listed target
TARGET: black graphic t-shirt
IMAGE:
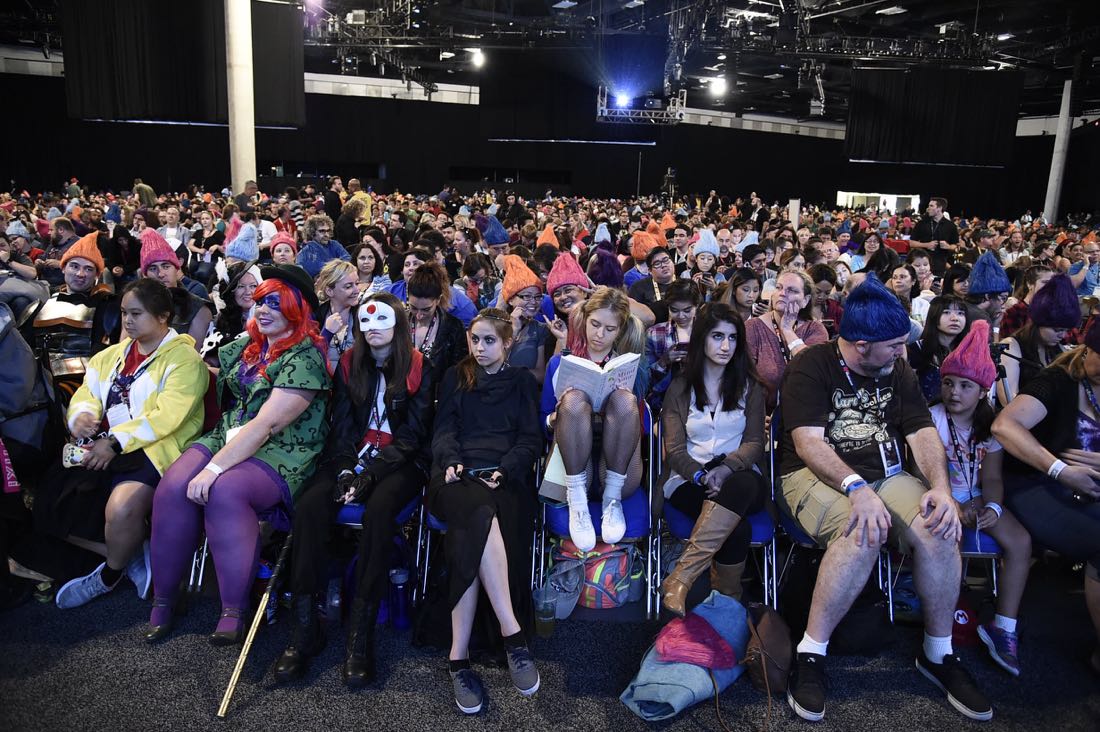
(862, 425)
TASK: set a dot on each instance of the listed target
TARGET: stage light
(477, 58)
(717, 86)
(622, 100)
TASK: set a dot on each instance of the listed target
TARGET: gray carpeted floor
(87, 669)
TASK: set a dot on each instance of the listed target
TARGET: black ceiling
(775, 51)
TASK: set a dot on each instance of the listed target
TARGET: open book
(597, 382)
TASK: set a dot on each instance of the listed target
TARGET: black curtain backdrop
(954, 117)
(420, 146)
(140, 60)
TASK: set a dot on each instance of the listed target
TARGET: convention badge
(118, 414)
(376, 315)
(891, 457)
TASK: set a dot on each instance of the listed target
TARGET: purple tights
(232, 528)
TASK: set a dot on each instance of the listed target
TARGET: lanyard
(656, 289)
(119, 392)
(1091, 397)
(374, 422)
(891, 464)
(426, 344)
(971, 466)
(787, 351)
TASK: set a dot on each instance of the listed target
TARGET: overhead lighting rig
(652, 110)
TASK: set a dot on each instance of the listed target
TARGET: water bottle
(333, 599)
(399, 603)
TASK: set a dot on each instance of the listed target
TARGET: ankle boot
(712, 528)
(307, 640)
(359, 652)
(726, 578)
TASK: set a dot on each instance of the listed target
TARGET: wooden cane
(260, 612)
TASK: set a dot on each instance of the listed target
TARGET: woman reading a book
(486, 442)
(600, 329)
(714, 434)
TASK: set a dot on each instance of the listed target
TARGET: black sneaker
(806, 687)
(961, 690)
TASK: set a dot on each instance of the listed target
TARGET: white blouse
(710, 432)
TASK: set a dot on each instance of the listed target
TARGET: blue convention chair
(351, 516)
(978, 544)
(636, 511)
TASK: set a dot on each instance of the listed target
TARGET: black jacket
(410, 419)
(495, 424)
(448, 348)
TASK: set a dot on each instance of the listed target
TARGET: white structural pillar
(794, 212)
(242, 109)
(1058, 159)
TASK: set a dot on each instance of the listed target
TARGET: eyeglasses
(530, 298)
(663, 262)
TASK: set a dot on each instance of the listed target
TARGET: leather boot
(726, 578)
(307, 640)
(712, 528)
(359, 652)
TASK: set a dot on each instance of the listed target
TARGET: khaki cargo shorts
(823, 512)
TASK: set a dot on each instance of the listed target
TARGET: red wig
(299, 316)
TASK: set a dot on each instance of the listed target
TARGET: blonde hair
(1073, 362)
(631, 338)
(333, 271)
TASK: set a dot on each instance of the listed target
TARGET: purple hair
(604, 267)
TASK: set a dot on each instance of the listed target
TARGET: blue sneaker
(1003, 647)
(140, 572)
(82, 590)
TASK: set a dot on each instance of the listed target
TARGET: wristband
(214, 468)
(115, 444)
(1056, 469)
(848, 481)
(699, 477)
(855, 486)
(996, 508)
(795, 344)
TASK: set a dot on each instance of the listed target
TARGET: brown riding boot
(712, 528)
(726, 578)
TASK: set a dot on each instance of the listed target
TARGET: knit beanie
(668, 223)
(17, 228)
(491, 230)
(245, 247)
(641, 243)
(602, 234)
(517, 276)
(566, 271)
(971, 359)
(284, 237)
(154, 248)
(548, 237)
(114, 214)
(85, 248)
(706, 244)
(873, 314)
(1055, 305)
(988, 276)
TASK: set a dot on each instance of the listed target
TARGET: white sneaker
(82, 590)
(140, 572)
(613, 523)
(581, 530)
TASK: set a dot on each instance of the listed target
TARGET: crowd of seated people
(200, 364)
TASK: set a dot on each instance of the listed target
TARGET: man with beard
(78, 321)
(49, 264)
(847, 407)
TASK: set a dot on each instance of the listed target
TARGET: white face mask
(376, 315)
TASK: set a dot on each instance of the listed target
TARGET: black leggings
(314, 514)
(742, 493)
(1054, 518)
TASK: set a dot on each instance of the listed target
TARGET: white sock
(936, 648)
(613, 486)
(809, 645)
(1005, 624)
(576, 486)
